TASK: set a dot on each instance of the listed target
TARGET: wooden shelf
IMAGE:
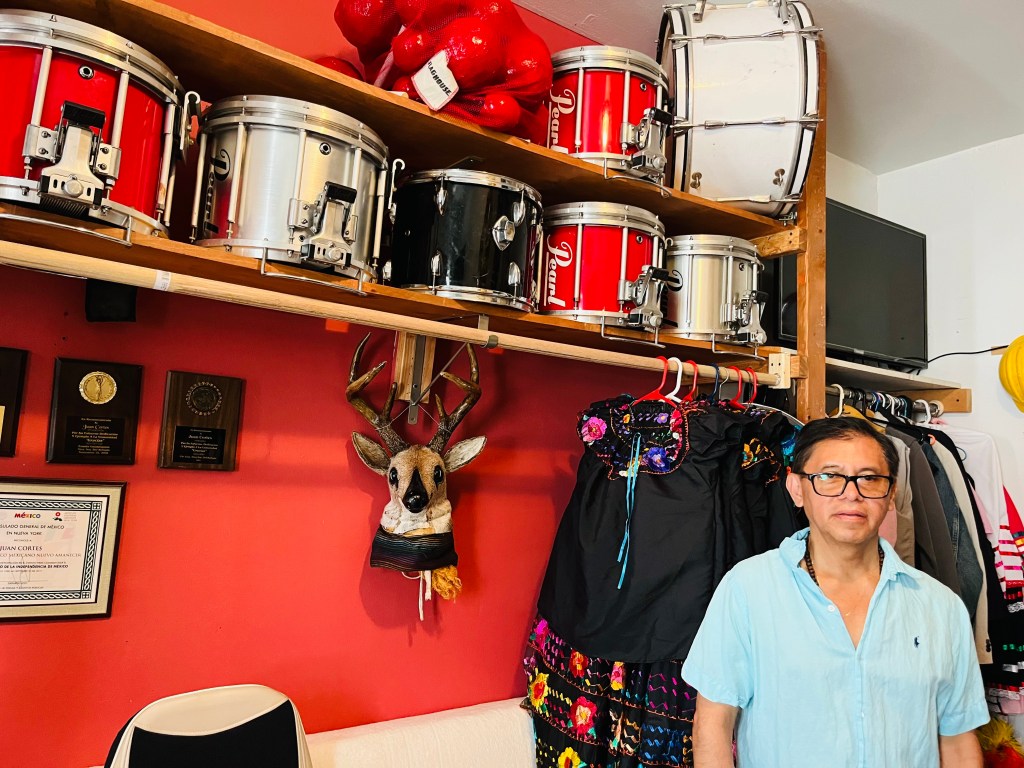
(953, 397)
(218, 63)
(158, 253)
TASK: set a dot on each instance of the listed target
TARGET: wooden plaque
(12, 382)
(202, 414)
(94, 415)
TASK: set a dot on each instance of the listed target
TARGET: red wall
(262, 575)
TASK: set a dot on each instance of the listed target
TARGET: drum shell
(590, 249)
(291, 149)
(85, 68)
(745, 75)
(471, 265)
(717, 273)
(594, 90)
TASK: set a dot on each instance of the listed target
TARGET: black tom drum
(466, 235)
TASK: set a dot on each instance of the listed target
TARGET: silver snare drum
(284, 180)
(719, 299)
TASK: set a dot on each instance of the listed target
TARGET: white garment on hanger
(982, 463)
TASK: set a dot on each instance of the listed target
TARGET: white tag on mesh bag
(435, 83)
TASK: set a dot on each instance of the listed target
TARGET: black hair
(842, 428)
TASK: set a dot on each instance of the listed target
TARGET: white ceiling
(908, 80)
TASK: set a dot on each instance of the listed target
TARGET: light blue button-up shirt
(773, 645)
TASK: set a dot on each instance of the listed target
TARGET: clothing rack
(933, 408)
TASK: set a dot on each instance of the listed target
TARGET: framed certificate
(58, 547)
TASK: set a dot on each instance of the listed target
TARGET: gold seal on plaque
(203, 398)
(97, 387)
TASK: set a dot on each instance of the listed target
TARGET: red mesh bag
(473, 59)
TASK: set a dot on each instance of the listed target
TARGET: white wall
(971, 206)
(850, 183)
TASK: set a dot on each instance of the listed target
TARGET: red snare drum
(91, 122)
(593, 252)
(599, 108)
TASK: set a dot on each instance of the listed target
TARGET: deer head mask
(415, 532)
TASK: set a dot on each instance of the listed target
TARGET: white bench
(498, 734)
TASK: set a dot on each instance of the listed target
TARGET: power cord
(978, 352)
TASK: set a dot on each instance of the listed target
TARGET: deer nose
(416, 496)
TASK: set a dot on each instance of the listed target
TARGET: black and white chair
(237, 726)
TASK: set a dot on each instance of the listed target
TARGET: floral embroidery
(569, 759)
(610, 428)
(540, 634)
(539, 692)
(618, 673)
(593, 429)
(582, 714)
(656, 458)
(578, 664)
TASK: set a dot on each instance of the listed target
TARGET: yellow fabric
(849, 410)
(1011, 371)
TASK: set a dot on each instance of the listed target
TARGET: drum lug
(435, 270)
(441, 198)
(519, 209)
(300, 214)
(645, 293)
(40, 143)
(514, 277)
(385, 272)
(504, 232)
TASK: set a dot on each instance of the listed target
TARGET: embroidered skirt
(588, 711)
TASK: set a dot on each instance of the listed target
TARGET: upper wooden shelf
(217, 63)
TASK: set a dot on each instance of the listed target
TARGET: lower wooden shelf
(954, 398)
(162, 254)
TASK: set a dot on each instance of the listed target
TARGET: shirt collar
(792, 550)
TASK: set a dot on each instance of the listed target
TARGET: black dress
(667, 499)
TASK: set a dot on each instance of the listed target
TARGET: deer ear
(463, 452)
(372, 454)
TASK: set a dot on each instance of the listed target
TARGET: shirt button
(831, 609)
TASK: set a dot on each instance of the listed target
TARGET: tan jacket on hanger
(898, 526)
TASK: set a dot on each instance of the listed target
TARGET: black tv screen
(875, 289)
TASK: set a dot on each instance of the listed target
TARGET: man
(830, 651)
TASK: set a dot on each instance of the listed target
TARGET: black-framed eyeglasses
(834, 484)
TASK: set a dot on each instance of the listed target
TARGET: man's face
(849, 518)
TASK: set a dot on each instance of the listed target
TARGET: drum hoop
(282, 112)
(703, 244)
(471, 293)
(475, 178)
(608, 57)
(34, 29)
(603, 214)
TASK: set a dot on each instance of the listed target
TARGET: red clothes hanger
(655, 394)
(736, 402)
(693, 388)
(753, 382)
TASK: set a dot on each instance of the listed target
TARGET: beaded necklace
(810, 565)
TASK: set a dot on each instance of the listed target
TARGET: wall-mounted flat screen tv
(876, 290)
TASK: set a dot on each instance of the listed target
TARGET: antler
(446, 423)
(380, 421)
